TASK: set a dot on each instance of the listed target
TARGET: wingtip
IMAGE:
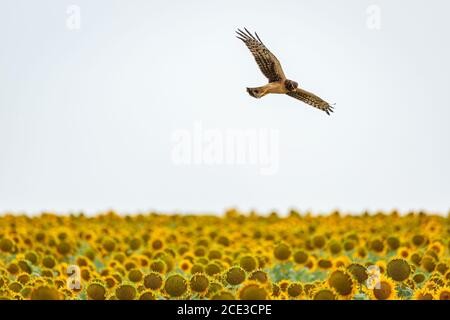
(242, 34)
(258, 37)
(249, 33)
(330, 108)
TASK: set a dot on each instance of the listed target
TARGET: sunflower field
(154, 256)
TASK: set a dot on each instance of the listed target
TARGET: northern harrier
(271, 68)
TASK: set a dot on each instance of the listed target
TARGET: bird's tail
(257, 92)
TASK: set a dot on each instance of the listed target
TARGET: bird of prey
(271, 68)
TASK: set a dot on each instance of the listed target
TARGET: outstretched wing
(311, 99)
(267, 62)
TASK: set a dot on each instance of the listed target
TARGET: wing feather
(311, 99)
(266, 60)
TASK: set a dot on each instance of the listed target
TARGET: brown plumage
(271, 68)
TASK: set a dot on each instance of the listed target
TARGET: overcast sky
(92, 95)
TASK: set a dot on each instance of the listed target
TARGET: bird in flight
(271, 68)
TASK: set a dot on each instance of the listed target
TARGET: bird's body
(278, 83)
(271, 87)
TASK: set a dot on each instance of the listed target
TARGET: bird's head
(290, 85)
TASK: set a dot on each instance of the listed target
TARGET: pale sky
(88, 115)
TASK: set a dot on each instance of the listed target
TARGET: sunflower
(284, 284)
(416, 258)
(199, 283)
(153, 281)
(96, 290)
(361, 253)
(419, 277)
(211, 269)
(45, 293)
(358, 271)
(135, 275)
(282, 252)
(15, 286)
(377, 246)
(325, 264)
(428, 263)
(381, 266)
(235, 276)
(223, 295)
(110, 282)
(384, 289)
(341, 261)
(341, 281)
(404, 252)
(259, 275)
(300, 257)
(248, 263)
(126, 291)
(442, 268)
(393, 242)
(23, 278)
(175, 286)
(319, 241)
(158, 265)
(443, 293)
(311, 264)
(252, 290)
(214, 287)
(309, 288)
(324, 292)
(418, 240)
(334, 247)
(6, 245)
(398, 269)
(147, 295)
(275, 290)
(437, 247)
(295, 290)
(423, 294)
